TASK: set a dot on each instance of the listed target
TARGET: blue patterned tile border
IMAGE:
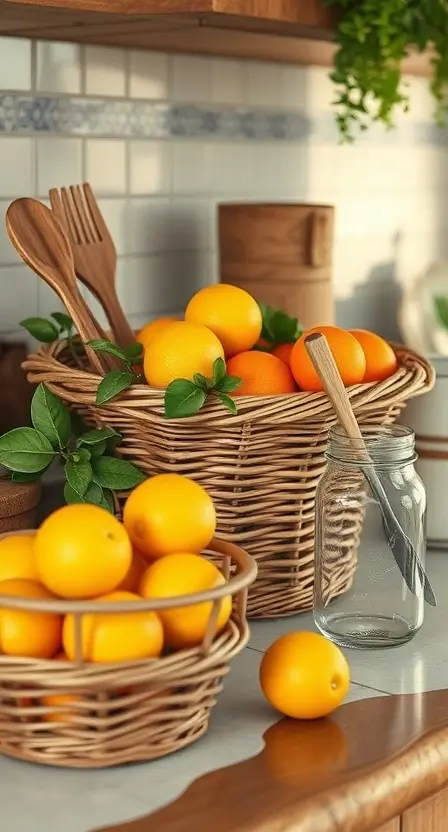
(78, 116)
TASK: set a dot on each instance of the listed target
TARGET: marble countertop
(40, 799)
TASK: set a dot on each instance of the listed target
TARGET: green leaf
(98, 449)
(18, 476)
(94, 494)
(78, 425)
(183, 398)
(51, 417)
(117, 474)
(200, 381)
(83, 454)
(228, 403)
(64, 321)
(134, 351)
(229, 384)
(278, 326)
(92, 437)
(108, 501)
(219, 370)
(112, 384)
(25, 450)
(41, 329)
(441, 304)
(101, 345)
(79, 475)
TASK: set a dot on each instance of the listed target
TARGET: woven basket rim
(232, 586)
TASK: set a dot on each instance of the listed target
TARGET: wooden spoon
(401, 547)
(43, 246)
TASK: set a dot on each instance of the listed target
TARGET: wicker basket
(261, 467)
(122, 712)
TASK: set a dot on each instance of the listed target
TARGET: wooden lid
(16, 498)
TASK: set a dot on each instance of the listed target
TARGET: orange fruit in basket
(28, 633)
(17, 558)
(169, 513)
(347, 352)
(230, 312)
(59, 700)
(283, 351)
(183, 574)
(381, 361)
(180, 351)
(149, 331)
(82, 551)
(132, 579)
(304, 675)
(115, 636)
(262, 374)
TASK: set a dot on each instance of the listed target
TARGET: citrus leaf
(200, 381)
(94, 494)
(134, 351)
(19, 476)
(441, 304)
(83, 454)
(41, 329)
(116, 474)
(108, 501)
(78, 426)
(64, 321)
(98, 449)
(183, 398)
(229, 384)
(92, 437)
(219, 370)
(25, 450)
(51, 417)
(112, 384)
(228, 403)
(79, 475)
(101, 345)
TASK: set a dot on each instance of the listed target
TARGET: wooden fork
(94, 252)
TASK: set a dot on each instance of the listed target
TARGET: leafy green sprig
(92, 474)
(115, 381)
(184, 398)
(441, 304)
(278, 327)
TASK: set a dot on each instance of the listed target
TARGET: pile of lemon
(81, 552)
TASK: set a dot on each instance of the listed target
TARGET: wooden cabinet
(430, 816)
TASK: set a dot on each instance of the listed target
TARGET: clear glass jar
(361, 598)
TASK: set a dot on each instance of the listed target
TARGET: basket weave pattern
(261, 467)
(123, 712)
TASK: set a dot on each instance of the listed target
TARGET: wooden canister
(282, 255)
(18, 505)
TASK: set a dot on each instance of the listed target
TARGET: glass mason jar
(361, 598)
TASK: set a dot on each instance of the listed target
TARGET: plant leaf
(112, 384)
(98, 449)
(229, 384)
(79, 475)
(25, 450)
(200, 381)
(94, 494)
(51, 417)
(116, 474)
(92, 437)
(228, 403)
(78, 426)
(19, 476)
(183, 398)
(441, 304)
(108, 501)
(64, 321)
(278, 326)
(219, 370)
(101, 345)
(41, 329)
(134, 351)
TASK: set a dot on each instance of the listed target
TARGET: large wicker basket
(261, 467)
(107, 714)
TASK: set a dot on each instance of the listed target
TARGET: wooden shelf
(292, 31)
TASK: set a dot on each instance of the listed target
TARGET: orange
(283, 351)
(381, 361)
(114, 636)
(182, 574)
(169, 513)
(262, 373)
(304, 676)
(28, 633)
(82, 551)
(230, 312)
(180, 351)
(347, 352)
(131, 581)
(17, 557)
(149, 331)
(57, 700)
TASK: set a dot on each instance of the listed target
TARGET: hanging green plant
(374, 37)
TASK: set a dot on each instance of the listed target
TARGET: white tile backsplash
(191, 79)
(115, 213)
(192, 167)
(15, 64)
(106, 165)
(18, 296)
(105, 71)
(58, 163)
(148, 75)
(149, 167)
(149, 228)
(16, 166)
(58, 67)
(226, 81)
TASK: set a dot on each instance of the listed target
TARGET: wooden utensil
(44, 247)
(93, 251)
(401, 547)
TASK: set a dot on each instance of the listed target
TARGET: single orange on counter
(28, 633)
(381, 361)
(17, 558)
(184, 574)
(304, 675)
(82, 551)
(115, 637)
(347, 352)
(150, 330)
(262, 374)
(283, 352)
